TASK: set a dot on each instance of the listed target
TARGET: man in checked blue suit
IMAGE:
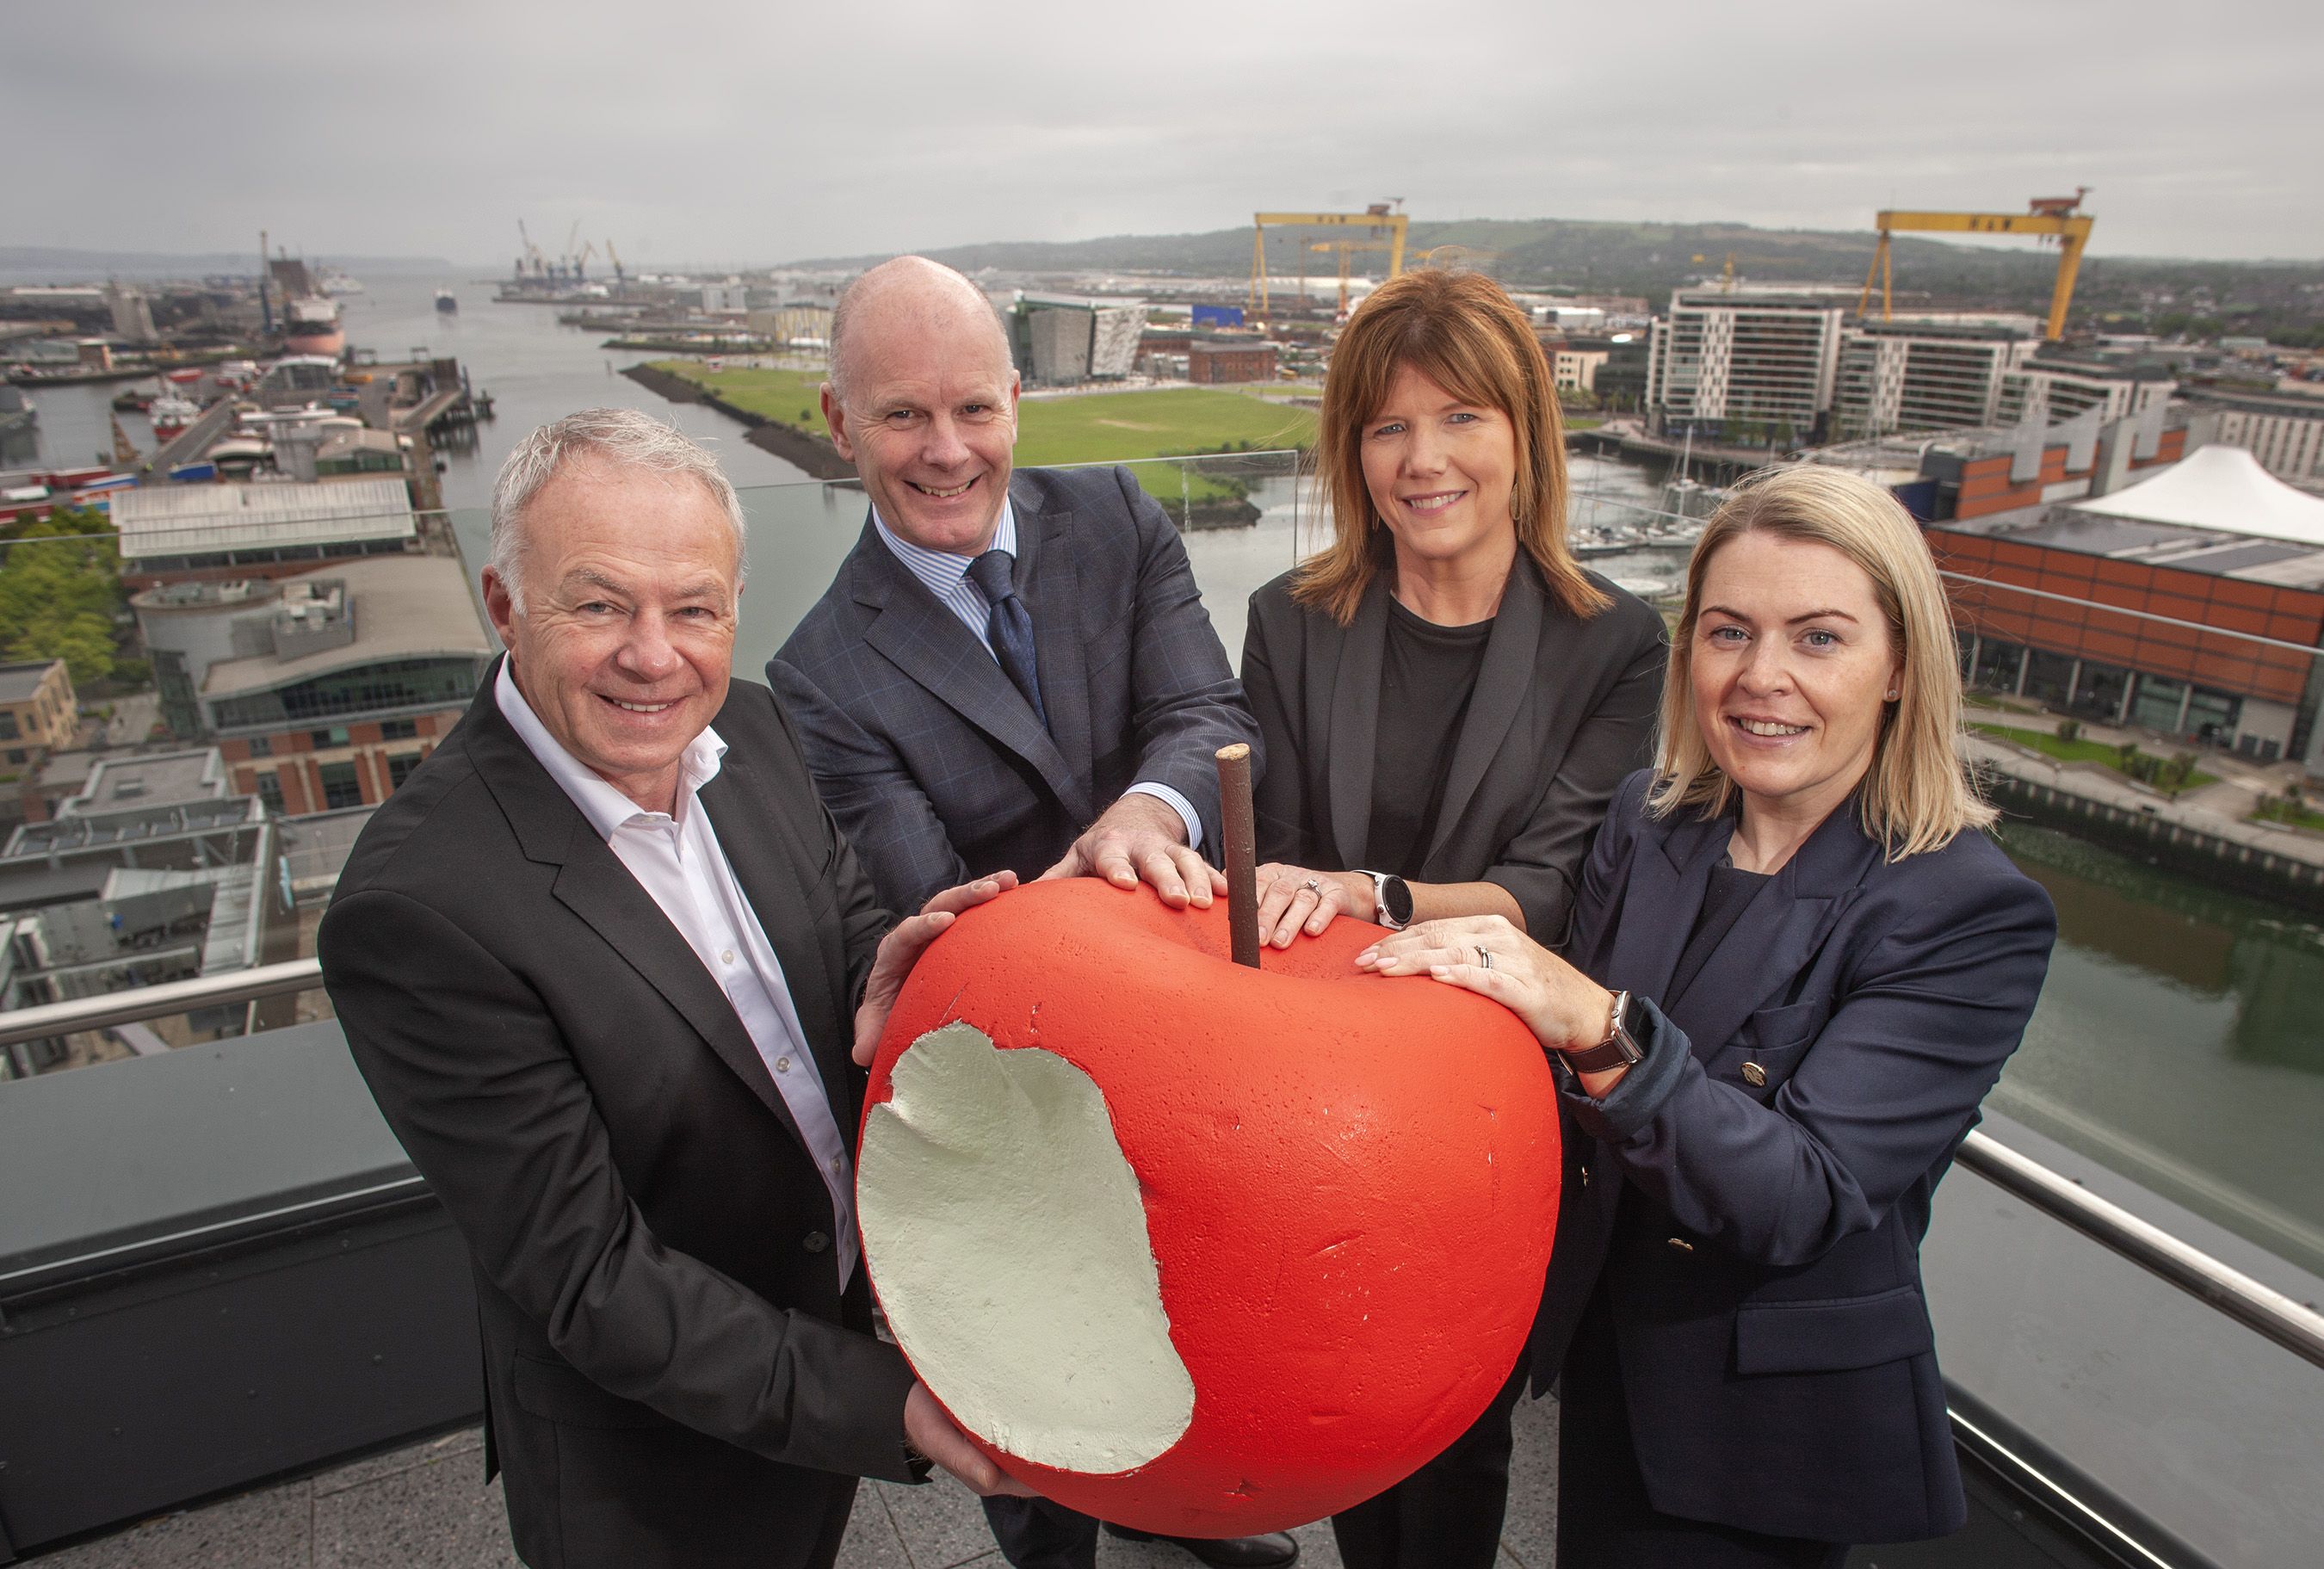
(1007, 671)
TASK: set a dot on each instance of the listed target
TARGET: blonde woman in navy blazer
(1798, 965)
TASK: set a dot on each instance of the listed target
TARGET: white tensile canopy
(2222, 488)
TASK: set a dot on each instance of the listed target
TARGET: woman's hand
(1485, 954)
(1294, 900)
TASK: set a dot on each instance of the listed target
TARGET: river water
(2181, 1035)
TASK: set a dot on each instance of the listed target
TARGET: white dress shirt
(677, 860)
(946, 575)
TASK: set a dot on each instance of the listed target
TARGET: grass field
(1092, 427)
(2276, 811)
(1088, 428)
(2078, 751)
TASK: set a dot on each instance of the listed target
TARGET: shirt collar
(940, 569)
(606, 807)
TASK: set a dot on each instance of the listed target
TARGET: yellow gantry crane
(1344, 247)
(2051, 219)
(1378, 218)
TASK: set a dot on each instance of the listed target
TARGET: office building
(1930, 374)
(37, 711)
(1748, 363)
(324, 690)
(1213, 360)
(2283, 429)
(2208, 547)
(2053, 386)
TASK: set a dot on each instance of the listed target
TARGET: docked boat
(335, 281)
(171, 413)
(310, 317)
(447, 301)
(133, 399)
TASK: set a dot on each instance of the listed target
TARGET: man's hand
(1142, 838)
(901, 950)
(932, 1433)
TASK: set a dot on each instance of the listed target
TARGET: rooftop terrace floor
(427, 1507)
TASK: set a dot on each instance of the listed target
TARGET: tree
(58, 600)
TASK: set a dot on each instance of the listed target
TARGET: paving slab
(268, 1529)
(440, 1514)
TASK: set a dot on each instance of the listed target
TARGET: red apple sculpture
(1193, 1248)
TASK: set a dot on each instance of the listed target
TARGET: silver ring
(1484, 958)
(1311, 886)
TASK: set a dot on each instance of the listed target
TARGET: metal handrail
(50, 1019)
(2293, 1325)
(2298, 1328)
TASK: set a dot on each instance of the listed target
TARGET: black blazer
(673, 1376)
(1562, 709)
(1765, 1277)
(935, 764)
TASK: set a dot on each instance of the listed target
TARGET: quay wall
(813, 454)
(2174, 844)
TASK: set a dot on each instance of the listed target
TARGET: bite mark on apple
(1005, 1231)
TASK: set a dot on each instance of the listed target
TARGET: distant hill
(1651, 258)
(53, 264)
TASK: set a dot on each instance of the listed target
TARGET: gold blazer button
(1754, 1075)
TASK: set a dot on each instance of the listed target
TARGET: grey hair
(843, 311)
(623, 437)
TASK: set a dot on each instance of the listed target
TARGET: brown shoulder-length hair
(1462, 332)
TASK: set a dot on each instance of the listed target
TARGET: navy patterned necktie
(1011, 628)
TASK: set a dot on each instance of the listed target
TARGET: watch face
(1396, 900)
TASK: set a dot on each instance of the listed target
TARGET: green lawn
(2277, 810)
(1092, 427)
(1088, 428)
(2078, 751)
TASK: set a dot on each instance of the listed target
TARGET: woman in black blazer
(1798, 966)
(1446, 701)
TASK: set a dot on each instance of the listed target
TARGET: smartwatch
(1391, 900)
(1620, 1048)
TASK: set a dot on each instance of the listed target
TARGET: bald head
(922, 399)
(909, 296)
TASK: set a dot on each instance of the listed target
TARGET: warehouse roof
(193, 519)
(405, 608)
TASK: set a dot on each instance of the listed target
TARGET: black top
(1427, 673)
(1723, 898)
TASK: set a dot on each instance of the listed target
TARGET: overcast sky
(739, 131)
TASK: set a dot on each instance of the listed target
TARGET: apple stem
(1241, 834)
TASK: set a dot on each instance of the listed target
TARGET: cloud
(716, 131)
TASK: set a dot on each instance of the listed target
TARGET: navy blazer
(936, 766)
(1764, 1274)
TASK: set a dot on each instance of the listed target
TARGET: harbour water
(2180, 1039)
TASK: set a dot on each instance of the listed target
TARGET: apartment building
(1762, 359)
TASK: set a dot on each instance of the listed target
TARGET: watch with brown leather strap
(1620, 1048)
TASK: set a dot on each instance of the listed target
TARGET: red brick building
(1211, 361)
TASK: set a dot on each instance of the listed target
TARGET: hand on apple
(934, 1435)
(901, 950)
(1142, 838)
(1565, 1009)
(1293, 900)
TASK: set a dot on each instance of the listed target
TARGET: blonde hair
(1462, 332)
(1918, 793)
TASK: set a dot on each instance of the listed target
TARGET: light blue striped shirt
(946, 576)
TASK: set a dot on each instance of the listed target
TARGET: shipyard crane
(2056, 220)
(533, 256)
(1378, 218)
(1344, 248)
(615, 257)
(581, 261)
(1726, 272)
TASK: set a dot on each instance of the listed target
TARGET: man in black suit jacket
(597, 959)
(1006, 674)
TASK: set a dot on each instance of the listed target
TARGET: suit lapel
(1352, 742)
(927, 642)
(1504, 681)
(1049, 580)
(594, 885)
(1664, 896)
(1778, 932)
